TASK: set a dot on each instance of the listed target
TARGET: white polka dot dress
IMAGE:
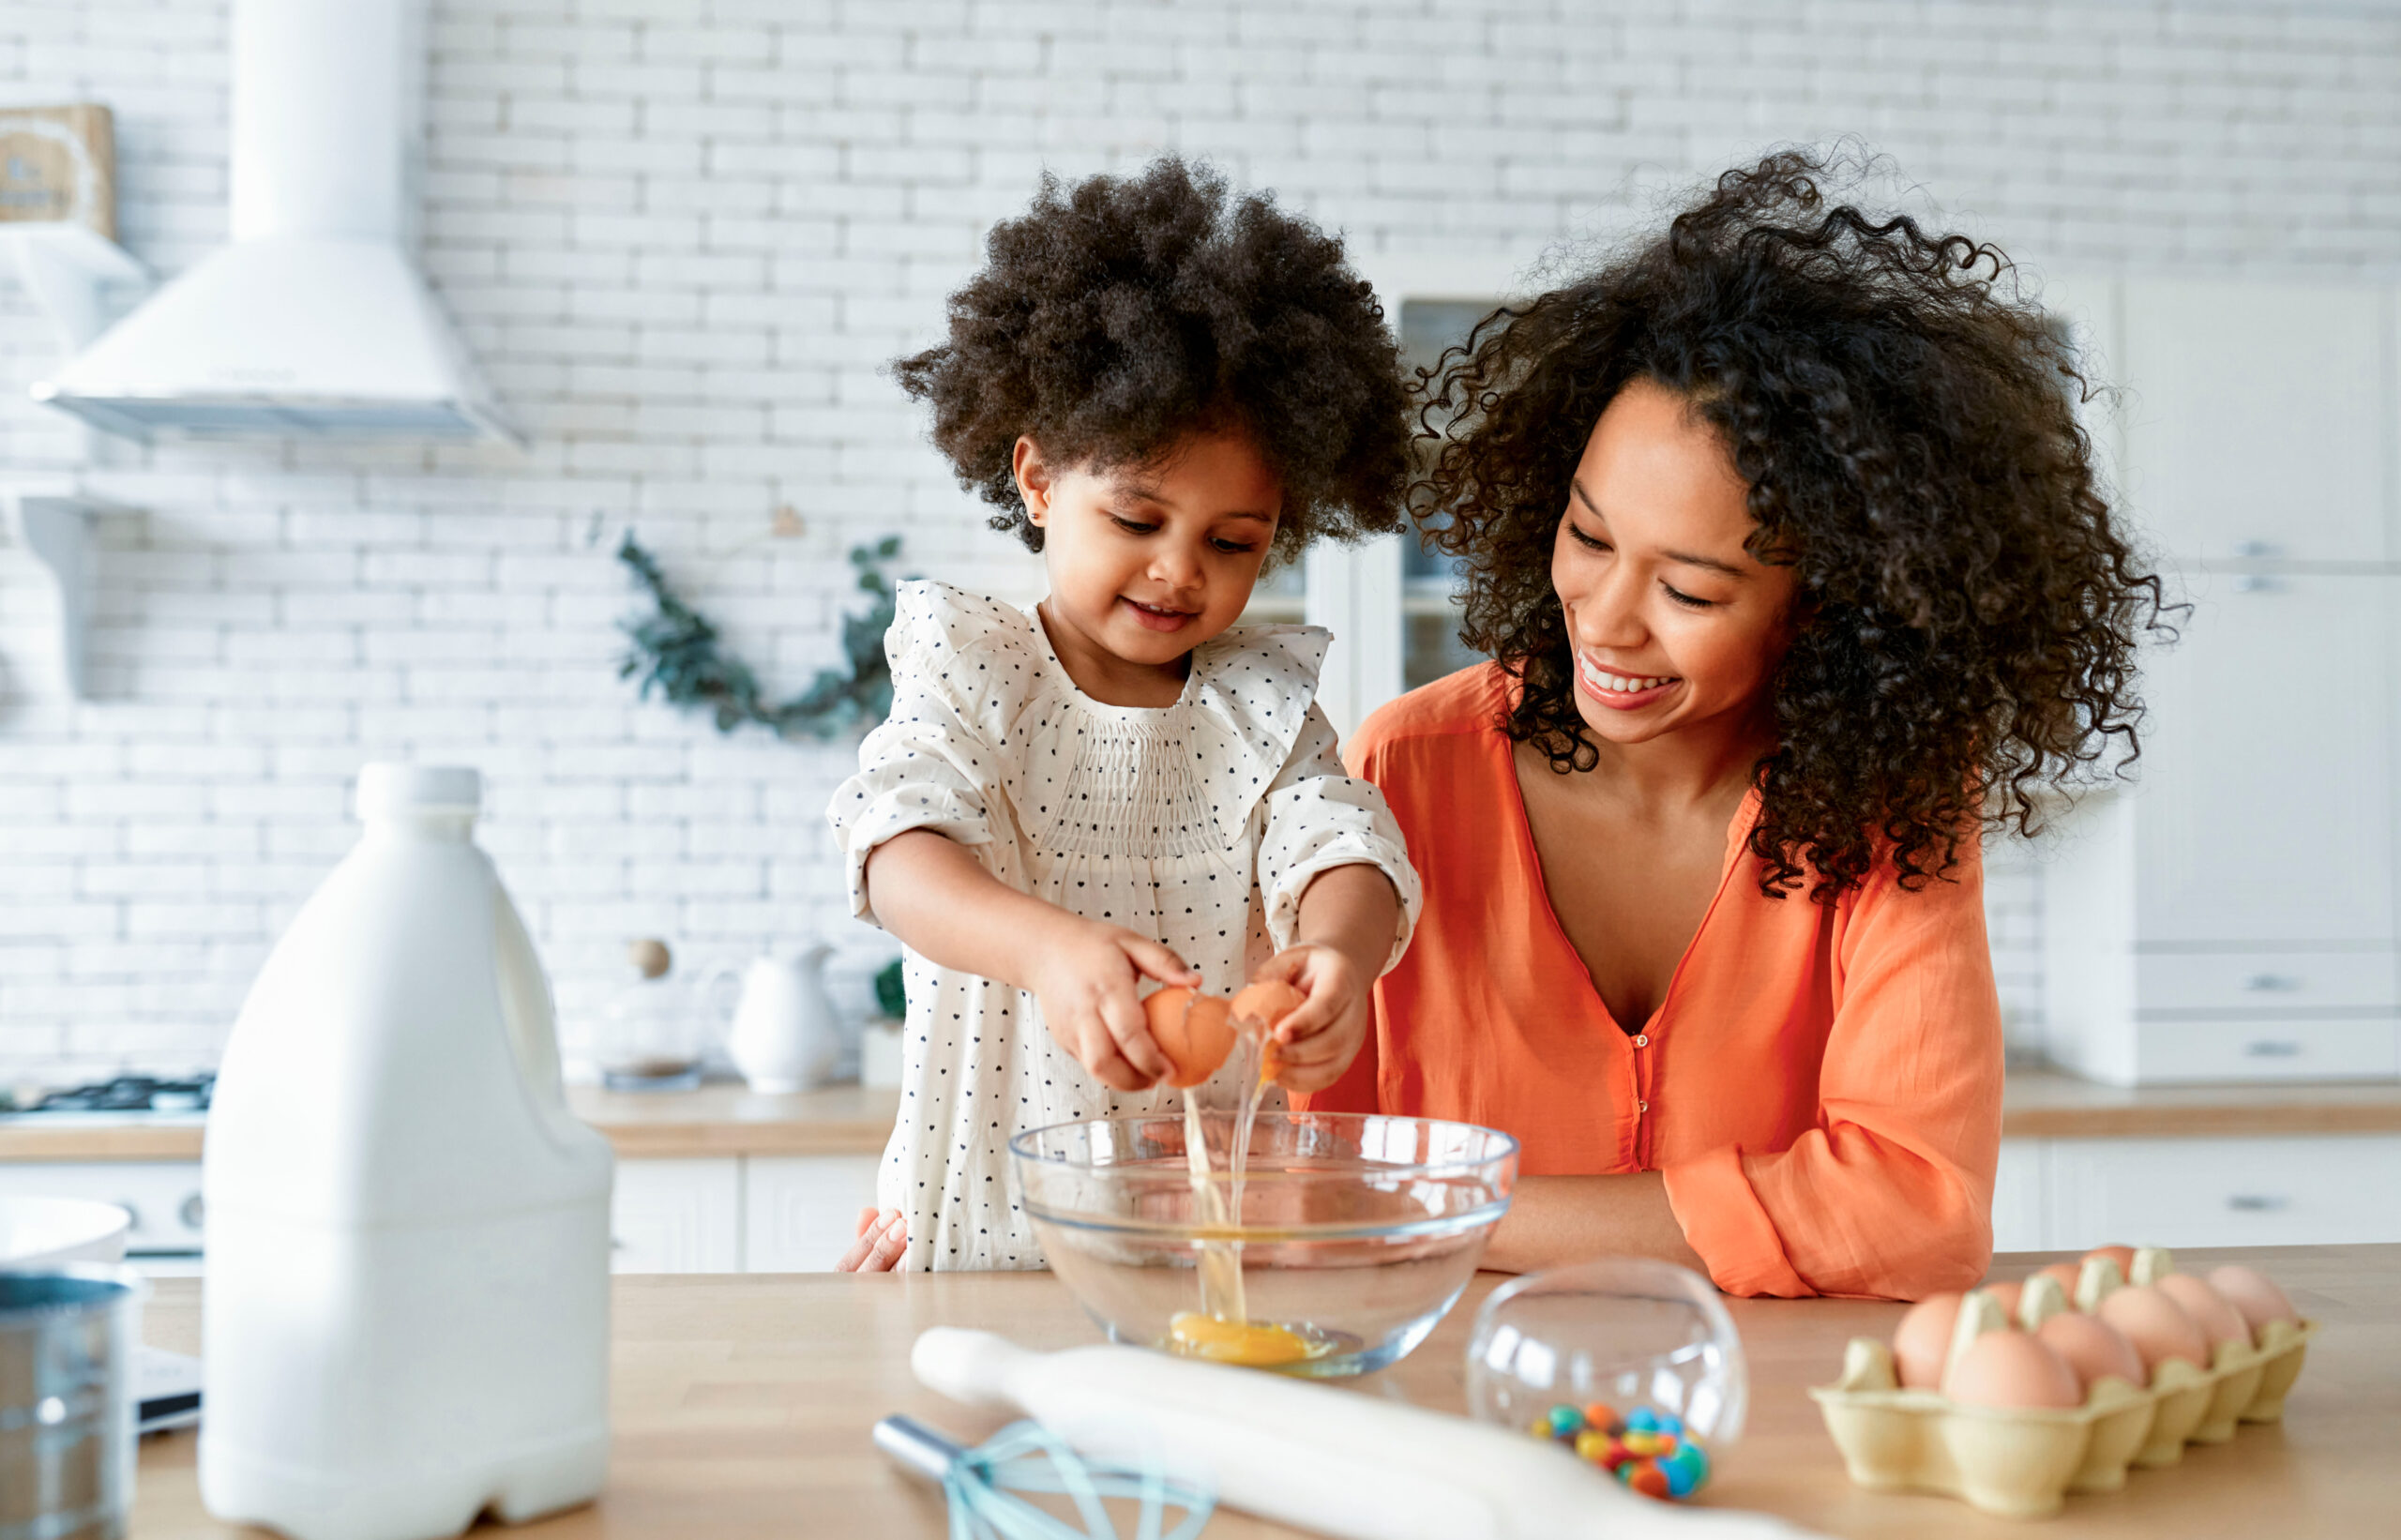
(1199, 823)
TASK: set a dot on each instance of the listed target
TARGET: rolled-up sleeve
(925, 768)
(1890, 1194)
(1318, 817)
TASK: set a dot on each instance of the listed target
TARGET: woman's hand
(1317, 1041)
(1086, 975)
(882, 1237)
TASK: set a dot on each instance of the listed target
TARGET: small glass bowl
(1624, 1330)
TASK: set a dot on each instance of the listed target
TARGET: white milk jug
(783, 1037)
(405, 1319)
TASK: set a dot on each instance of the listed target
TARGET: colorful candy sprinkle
(1647, 1450)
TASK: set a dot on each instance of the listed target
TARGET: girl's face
(1673, 623)
(1148, 562)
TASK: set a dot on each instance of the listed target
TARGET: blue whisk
(981, 1484)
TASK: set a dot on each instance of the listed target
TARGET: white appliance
(406, 1318)
(2232, 913)
(313, 322)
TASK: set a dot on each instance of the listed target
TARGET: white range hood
(314, 323)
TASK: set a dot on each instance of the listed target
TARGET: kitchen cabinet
(2072, 1194)
(676, 1216)
(2229, 913)
(802, 1211)
(2259, 417)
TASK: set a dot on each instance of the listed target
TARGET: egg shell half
(1194, 1030)
(1267, 1003)
(2094, 1349)
(2253, 1293)
(2156, 1325)
(2013, 1369)
(2218, 1320)
(1923, 1339)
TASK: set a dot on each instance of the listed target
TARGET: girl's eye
(1589, 542)
(1687, 601)
(1234, 548)
(1132, 526)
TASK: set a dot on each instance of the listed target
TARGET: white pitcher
(783, 1037)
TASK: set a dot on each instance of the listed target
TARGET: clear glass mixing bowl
(1352, 1236)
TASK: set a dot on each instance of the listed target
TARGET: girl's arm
(1347, 919)
(935, 896)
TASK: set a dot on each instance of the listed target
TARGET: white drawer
(676, 1216)
(2170, 1051)
(802, 1211)
(2017, 1197)
(2335, 1189)
(2220, 982)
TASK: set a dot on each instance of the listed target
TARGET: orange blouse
(1820, 1085)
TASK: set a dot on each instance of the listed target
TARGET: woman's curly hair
(1120, 315)
(1966, 609)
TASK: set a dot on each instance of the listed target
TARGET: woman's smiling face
(1673, 623)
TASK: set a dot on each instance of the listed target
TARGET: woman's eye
(1687, 601)
(1589, 542)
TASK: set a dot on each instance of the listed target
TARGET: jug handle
(721, 1004)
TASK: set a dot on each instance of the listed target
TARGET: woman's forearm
(931, 892)
(1554, 1220)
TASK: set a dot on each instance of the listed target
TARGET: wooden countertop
(729, 1120)
(716, 1120)
(2044, 1104)
(743, 1404)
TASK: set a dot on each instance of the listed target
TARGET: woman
(1791, 556)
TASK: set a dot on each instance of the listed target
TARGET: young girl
(1157, 385)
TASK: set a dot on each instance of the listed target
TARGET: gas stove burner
(133, 1094)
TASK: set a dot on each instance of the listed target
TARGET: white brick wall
(685, 236)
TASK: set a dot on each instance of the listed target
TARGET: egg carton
(2022, 1462)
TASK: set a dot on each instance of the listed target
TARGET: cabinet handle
(2252, 583)
(2271, 981)
(2256, 1202)
(2252, 548)
(2272, 1048)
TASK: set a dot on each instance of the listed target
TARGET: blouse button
(1641, 1039)
(1642, 1106)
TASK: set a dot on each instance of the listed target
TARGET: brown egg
(2218, 1320)
(1194, 1030)
(2092, 1347)
(2013, 1369)
(1268, 1003)
(1923, 1339)
(2157, 1326)
(2123, 1255)
(2066, 1272)
(2254, 1294)
(2009, 1294)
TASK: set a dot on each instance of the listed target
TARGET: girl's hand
(1316, 1043)
(1085, 980)
(883, 1236)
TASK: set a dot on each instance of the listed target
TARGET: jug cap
(386, 790)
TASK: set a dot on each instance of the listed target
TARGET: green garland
(675, 653)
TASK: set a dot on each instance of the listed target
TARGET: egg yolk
(1250, 1344)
